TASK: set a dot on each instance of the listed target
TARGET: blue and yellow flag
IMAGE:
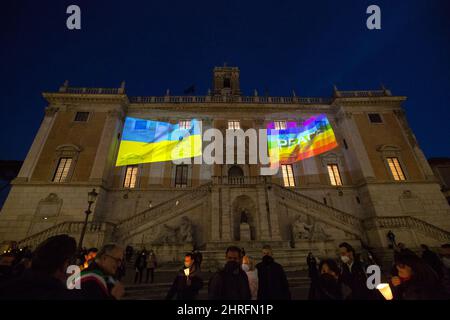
(154, 141)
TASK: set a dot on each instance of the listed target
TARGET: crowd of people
(42, 274)
(411, 277)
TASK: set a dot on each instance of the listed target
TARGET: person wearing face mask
(187, 283)
(273, 283)
(415, 280)
(230, 283)
(327, 286)
(354, 274)
(252, 274)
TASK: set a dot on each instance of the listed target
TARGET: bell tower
(226, 81)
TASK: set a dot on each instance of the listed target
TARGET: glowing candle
(385, 290)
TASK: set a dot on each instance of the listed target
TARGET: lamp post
(91, 199)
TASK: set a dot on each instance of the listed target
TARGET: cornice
(61, 98)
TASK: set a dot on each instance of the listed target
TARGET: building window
(81, 116)
(335, 176)
(130, 177)
(396, 169)
(184, 124)
(280, 125)
(181, 176)
(375, 118)
(226, 83)
(234, 125)
(63, 169)
(345, 144)
(288, 175)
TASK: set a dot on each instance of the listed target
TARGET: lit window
(335, 176)
(81, 116)
(184, 124)
(62, 171)
(280, 125)
(234, 125)
(288, 175)
(181, 175)
(396, 169)
(130, 177)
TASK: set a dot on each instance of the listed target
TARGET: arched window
(235, 171)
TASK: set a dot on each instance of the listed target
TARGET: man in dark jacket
(187, 283)
(97, 281)
(140, 264)
(272, 280)
(230, 283)
(46, 279)
(354, 274)
(326, 285)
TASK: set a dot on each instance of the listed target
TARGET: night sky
(280, 46)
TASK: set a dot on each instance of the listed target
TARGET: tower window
(375, 118)
(81, 116)
(288, 175)
(226, 83)
(396, 169)
(280, 125)
(62, 171)
(335, 176)
(181, 176)
(234, 125)
(130, 177)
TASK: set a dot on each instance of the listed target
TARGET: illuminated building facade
(377, 178)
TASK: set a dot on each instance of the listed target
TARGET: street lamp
(91, 199)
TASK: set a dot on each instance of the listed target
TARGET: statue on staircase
(318, 232)
(302, 230)
(185, 231)
(244, 216)
(181, 234)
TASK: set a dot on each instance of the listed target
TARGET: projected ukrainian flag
(146, 141)
(295, 143)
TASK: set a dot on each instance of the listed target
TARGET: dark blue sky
(280, 45)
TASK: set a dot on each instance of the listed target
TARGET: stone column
(215, 214)
(273, 214)
(412, 141)
(356, 145)
(226, 215)
(34, 153)
(264, 231)
(105, 155)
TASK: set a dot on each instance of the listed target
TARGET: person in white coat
(252, 274)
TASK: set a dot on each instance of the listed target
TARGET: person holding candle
(187, 283)
(415, 280)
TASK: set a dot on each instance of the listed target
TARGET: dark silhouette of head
(53, 256)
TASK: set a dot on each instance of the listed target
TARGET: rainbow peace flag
(295, 143)
(154, 141)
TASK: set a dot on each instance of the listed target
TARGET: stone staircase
(342, 220)
(160, 214)
(126, 229)
(298, 282)
(101, 230)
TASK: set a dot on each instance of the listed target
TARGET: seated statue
(185, 231)
(302, 230)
